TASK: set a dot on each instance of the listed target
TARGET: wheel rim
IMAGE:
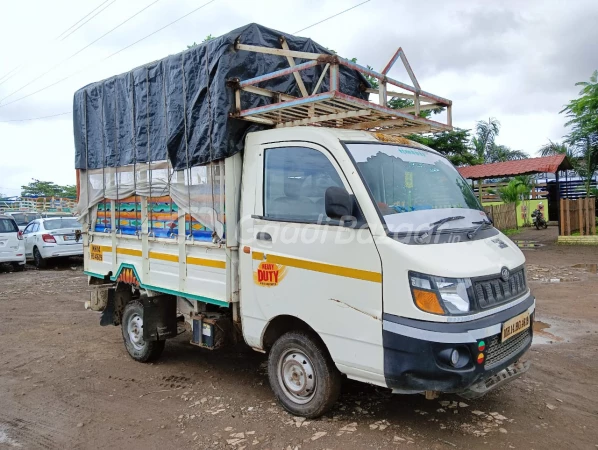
(297, 377)
(135, 330)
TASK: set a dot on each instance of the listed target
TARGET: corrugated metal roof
(545, 164)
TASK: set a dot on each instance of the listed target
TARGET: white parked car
(52, 238)
(22, 218)
(12, 250)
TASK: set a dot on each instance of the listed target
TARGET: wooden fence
(578, 215)
(504, 216)
(539, 190)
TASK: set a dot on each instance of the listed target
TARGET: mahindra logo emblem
(504, 274)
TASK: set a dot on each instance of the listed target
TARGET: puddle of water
(541, 336)
(540, 326)
(592, 268)
(528, 244)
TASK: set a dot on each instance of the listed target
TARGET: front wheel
(132, 329)
(545, 224)
(537, 223)
(302, 375)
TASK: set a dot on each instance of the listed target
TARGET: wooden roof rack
(334, 108)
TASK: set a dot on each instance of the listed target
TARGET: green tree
(452, 144)
(209, 37)
(582, 113)
(39, 188)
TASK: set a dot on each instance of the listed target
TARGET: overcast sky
(517, 61)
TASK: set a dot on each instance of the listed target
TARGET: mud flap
(107, 317)
(159, 318)
(504, 376)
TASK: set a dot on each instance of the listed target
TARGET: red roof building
(545, 164)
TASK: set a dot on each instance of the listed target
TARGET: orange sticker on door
(269, 274)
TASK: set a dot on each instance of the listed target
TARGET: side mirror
(338, 203)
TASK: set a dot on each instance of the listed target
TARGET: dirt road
(66, 382)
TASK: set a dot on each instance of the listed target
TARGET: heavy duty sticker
(269, 274)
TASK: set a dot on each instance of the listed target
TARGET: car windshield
(25, 218)
(413, 188)
(56, 224)
(8, 226)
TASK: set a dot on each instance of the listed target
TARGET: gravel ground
(66, 382)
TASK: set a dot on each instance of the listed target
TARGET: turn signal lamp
(427, 301)
(480, 358)
(481, 346)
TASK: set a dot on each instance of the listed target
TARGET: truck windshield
(413, 188)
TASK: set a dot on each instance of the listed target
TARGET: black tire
(38, 260)
(139, 350)
(16, 267)
(306, 361)
(545, 224)
(537, 223)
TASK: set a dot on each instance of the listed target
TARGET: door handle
(263, 236)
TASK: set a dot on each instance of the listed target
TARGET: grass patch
(510, 231)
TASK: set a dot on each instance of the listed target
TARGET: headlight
(439, 295)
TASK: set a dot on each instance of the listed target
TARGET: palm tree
(517, 190)
(501, 153)
(485, 147)
(485, 135)
(554, 148)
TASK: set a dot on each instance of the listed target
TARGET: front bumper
(416, 353)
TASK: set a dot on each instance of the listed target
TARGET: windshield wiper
(435, 225)
(481, 224)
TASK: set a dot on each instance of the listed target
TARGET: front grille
(491, 292)
(498, 351)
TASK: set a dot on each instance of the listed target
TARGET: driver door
(309, 267)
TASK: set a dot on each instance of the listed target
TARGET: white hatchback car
(12, 250)
(23, 217)
(52, 238)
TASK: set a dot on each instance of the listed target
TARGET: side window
(295, 181)
(35, 227)
(28, 229)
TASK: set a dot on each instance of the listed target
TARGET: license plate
(95, 253)
(515, 326)
(69, 238)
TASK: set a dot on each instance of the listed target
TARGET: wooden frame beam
(279, 51)
(345, 115)
(291, 61)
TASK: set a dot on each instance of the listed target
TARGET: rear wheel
(132, 329)
(302, 375)
(38, 260)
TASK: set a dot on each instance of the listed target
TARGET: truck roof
(323, 134)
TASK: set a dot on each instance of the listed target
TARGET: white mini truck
(344, 251)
